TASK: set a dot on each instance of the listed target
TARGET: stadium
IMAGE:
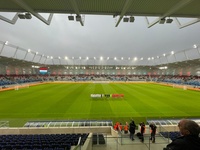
(59, 103)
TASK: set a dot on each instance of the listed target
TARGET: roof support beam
(76, 9)
(123, 12)
(29, 9)
(178, 6)
(186, 24)
(13, 21)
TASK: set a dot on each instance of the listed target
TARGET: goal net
(17, 87)
(184, 87)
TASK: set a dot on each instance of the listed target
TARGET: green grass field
(73, 102)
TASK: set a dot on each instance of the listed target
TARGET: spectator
(126, 128)
(142, 131)
(153, 132)
(132, 127)
(120, 127)
(189, 140)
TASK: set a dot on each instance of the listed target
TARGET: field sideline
(73, 102)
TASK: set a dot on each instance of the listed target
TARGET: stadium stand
(41, 141)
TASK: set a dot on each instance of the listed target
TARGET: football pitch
(72, 101)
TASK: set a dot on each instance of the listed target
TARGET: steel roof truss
(76, 9)
(11, 21)
(196, 20)
(178, 6)
(123, 12)
(29, 9)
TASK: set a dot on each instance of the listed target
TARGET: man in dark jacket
(132, 127)
(189, 140)
(153, 132)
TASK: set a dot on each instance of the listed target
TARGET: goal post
(184, 87)
(17, 87)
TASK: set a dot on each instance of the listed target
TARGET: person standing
(189, 139)
(142, 131)
(126, 128)
(153, 132)
(132, 127)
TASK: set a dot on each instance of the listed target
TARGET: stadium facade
(19, 61)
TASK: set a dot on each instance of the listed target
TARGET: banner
(107, 95)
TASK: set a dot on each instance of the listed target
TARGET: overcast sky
(98, 37)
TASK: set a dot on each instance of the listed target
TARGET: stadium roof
(119, 8)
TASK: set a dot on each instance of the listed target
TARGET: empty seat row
(42, 142)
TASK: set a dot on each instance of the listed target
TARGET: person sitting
(189, 139)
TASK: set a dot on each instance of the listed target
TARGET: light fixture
(125, 19)
(169, 20)
(132, 19)
(25, 16)
(195, 46)
(71, 18)
(28, 15)
(78, 18)
(21, 16)
(162, 21)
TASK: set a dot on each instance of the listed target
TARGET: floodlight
(21, 16)
(28, 16)
(169, 20)
(78, 18)
(71, 18)
(125, 19)
(195, 46)
(132, 19)
(162, 21)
